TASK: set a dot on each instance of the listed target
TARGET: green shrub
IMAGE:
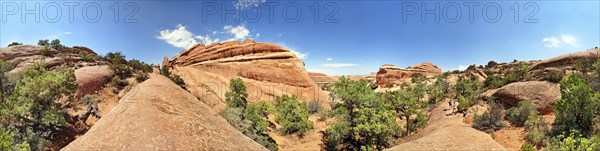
(438, 91)
(56, 44)
(363, 120)
(46, 51)
(15, 44)
(250, 119)
(519, 114)
(553, 76)
(87, 57)
(466, 90)
(583, 65)
(43, 42)
(573, 142)
(527, 147)
(292, 115)
(493, 82)
(118, 82)
(577, 106)
(490, 120)
(537, 130)
(236, 98)
(141, 77)
(315, 107)
(34, 119)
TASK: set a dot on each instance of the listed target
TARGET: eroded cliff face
(390, 74)
(268, 70)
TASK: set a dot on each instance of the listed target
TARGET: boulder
(92, 78)
(542, 93)
(159, 115)
(491, 64)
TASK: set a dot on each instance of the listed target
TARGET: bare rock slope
(268, 70)
(448, 133)
(567, 59)
(542, 93)
(159, 115)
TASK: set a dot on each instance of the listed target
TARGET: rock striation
(268, 70)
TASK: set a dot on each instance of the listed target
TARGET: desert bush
(407, 104)
(141, 77)
(250, 119)
(139, 65)
(118, 82)
(237, 96)
(553, 76)
(583, 65)
(466, 90)
(490, 120)
(437, 92)
(315, 107)
(537, 130)
(573, 142)
(44, 42)
(46, 51)
(518, 73)
(363, 120)
(493, 82)
(527, 147)
(519, 114)
(14, 44)
(292, 115)
(56, 44)
(34, 119)
(115, 58)
(577, 106)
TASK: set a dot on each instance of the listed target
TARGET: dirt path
(448, 132)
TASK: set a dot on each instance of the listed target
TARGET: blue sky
(343, 38)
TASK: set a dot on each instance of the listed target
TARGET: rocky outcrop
(23, 56)
(91, 75)
(567, 60)
(92, 78)
(268, 70)
(390, 74)
(542, 93)
(320, 77)
(159, 115)
(447, 132)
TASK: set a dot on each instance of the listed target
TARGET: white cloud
(298, 53)
(179, 37)
(555, 42)
(462, 67)
(329, 59)
(337, 65)
(206, 39)
(569, 39)
(551, 42)
(57, 36)
(245, 4)
(239, 32)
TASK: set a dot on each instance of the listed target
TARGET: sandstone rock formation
(566, 60)
(268, 70)
(92, 78)
(25, 55)
(91, 75)
(390, 74)
(448, 133)
(159, 115)
(320, 77)
(542, 93)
